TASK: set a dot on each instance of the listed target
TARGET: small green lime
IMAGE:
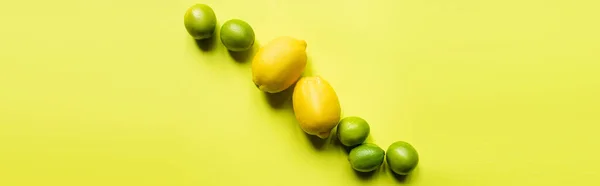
(237, 35)
(352, 131)
(200, 21)
(402, 157)
(366, 157)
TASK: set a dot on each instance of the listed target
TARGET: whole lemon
(366, 157)
(402, 157)
(278, 64)
(200, 21)
(353, 131)
(316, 106)
(237, 35)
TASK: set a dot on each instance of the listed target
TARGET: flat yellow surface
(116, 93)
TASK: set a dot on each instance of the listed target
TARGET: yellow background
(115, 92)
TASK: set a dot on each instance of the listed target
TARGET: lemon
(402, 157)
(278, 64)
(366, 157)
(316, 106)
(200, 21)
(352, 131)
(237, 35)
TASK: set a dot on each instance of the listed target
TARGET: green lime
(352, 131)
(366, 157)
(402, 157)
(237, 35)
(200, 21)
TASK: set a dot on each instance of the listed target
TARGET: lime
(402, 157)
(352, 131)
(200, 21)
(237, 35)
(366, 157)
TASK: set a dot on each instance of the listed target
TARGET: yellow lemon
(278, 65)
(316, 106)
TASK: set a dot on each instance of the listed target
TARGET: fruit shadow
(365, 175)
(317, 143)
(206, 44)
(321, 144)
(336, 142)
(403, 178)
(244, 57)
(210, 43)
(281, 100)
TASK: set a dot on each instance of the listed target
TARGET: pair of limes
(200, 21)
(366, 157)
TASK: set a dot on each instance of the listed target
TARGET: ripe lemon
(352, 131)
(402, 157)
(316, 106)
(237, 35)
(200, 21)
(366, 157)
(278, 64)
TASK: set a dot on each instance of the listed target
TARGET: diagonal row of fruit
(279, 65)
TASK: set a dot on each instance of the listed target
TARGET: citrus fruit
(200, 21)
(237, 35)
(402, 157)
(278, 64)
(316, 106)
(366, 157)
(352, 131)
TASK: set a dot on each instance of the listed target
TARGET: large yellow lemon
(316, 106)
(278, 65)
